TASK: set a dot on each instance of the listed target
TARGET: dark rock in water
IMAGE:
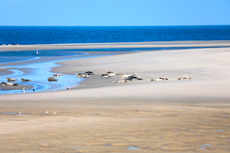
(15, 84)
(109, 72)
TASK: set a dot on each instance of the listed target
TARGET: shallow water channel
(38, 72)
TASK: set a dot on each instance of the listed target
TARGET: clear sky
(114, 12)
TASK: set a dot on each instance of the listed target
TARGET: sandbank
(159, 44)
(142, 116)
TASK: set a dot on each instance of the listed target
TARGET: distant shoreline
(163, 44)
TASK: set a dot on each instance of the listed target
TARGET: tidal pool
(131, 148)
(10, 113)
(38, 74)
(220, 130)
(203, 146)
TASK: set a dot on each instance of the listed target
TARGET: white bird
(20, 112)
(46, 112)
(68, 88)
(54, 112)
(23, 88)
(37, 52)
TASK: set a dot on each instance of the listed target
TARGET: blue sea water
(26, 35)
(56, 35)
(20, 55)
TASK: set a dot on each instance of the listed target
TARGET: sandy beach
(142, 116)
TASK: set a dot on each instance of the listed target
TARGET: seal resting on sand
(89, 73)
(24, 80)
(52, 79)
(11, 79)
(184, 78)
(57, 75)
(83, 75)
(161, 79)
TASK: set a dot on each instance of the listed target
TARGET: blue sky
(114, 12)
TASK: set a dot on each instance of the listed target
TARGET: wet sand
(18, 87)
(5, 71)
(142, 116)
(105, 125)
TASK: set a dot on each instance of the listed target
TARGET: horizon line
(111, 25)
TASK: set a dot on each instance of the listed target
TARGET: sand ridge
(159, 44)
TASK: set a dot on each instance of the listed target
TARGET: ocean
(56, 35)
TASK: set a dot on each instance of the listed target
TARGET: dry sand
(99, 116)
